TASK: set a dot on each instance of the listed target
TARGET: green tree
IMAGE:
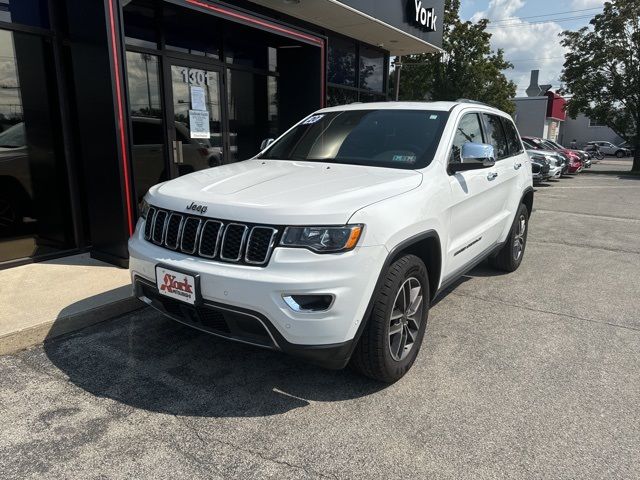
(602, 70)
(468, 68)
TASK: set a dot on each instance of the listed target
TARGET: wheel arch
(424, 243)
(427, 247)
(527, 199)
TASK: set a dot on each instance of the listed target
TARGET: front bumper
(257, 292)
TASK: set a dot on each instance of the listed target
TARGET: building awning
(343, 19)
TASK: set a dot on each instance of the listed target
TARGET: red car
(575, 162)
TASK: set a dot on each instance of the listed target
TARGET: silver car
(609, 148)
(554, 160)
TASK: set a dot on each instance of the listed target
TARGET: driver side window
(469, 129)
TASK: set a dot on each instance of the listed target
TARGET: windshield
(13, 137)
(381, 138)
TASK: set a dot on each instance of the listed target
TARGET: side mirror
(474, 156)
(266, 142)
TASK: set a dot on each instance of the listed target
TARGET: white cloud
(529, 46)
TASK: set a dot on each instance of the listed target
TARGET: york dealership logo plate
(422, 16)
(176, 285)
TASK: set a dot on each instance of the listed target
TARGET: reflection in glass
(371, 69)
(34, 13)
(340, 96)
(342, 61)
(253, 112)
(140, 24)
(191, 32)
(34, 210)
(201, 145)
(148, 148)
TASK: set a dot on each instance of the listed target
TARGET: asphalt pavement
(534, 374)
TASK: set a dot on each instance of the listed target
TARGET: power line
(545, 15)
(550, 20)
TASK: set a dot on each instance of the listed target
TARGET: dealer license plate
(176, 285)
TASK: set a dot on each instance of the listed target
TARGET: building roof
(346, 20)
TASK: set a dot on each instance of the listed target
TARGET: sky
(528, 31)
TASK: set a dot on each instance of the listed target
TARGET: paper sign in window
(199, 124)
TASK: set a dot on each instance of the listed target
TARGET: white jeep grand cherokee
(333, 241)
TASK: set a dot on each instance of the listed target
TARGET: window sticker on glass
(433, 117)
(404, 158)
(312, 119)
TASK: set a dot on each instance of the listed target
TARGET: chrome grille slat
(208, 251)
(173, 231)
(187, 230)
(158, 230)
(229, 242)
(148, 224)
(258, 254)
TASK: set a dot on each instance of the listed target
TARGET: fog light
(309, 303)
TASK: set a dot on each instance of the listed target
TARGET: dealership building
(100, 99)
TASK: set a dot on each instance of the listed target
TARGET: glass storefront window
(340, 96)
(34, 13)
(342, 62)
(140, 24)
(148, 149)
(367, 97)
(199, 149)
(191, 32)
(253, 112)
(35, 217)
(371, 69)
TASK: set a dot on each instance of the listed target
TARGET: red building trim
(121, 121)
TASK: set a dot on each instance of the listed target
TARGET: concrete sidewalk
(48, 299)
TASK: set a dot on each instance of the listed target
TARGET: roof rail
(466, 100)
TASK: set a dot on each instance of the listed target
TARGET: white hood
(284, 192)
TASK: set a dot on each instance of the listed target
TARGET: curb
(28, 337)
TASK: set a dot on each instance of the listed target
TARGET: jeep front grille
(231, 242)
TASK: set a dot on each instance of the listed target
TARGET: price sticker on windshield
(312, 119)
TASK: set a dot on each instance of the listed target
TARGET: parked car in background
(540, 168)
(629, 147)
(609, 148)
(585, 157)
(575, 160)
(558, 163)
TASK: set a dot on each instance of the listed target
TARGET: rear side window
(513, 139)
(469, 130)
(496, 136)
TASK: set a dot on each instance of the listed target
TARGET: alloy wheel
(519, 239)
(405, 319)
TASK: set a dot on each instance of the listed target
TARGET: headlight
(144, 209)
(323, 239)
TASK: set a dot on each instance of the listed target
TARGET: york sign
(424, 18)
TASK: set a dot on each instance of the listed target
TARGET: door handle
(177, 152)
(517, 166)
(492, 175)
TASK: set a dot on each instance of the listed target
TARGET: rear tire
(393, 335)
(510, 256)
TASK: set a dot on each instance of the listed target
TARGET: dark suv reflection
(16, 188)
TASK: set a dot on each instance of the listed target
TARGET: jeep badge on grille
(197, 208)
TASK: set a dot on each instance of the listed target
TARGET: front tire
(393, 336)
(620, 153)
(509, 257)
